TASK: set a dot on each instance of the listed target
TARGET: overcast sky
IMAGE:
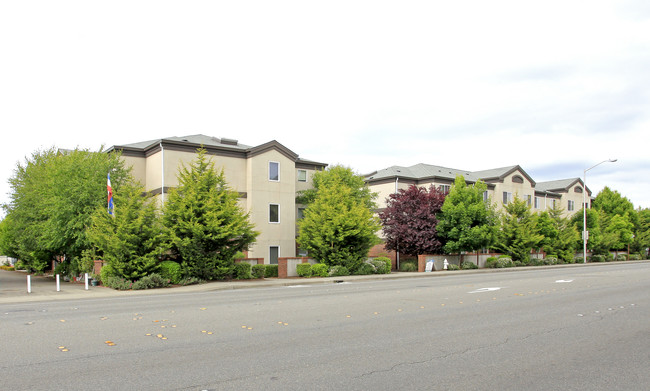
(553, 86)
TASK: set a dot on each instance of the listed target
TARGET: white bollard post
(86, 275)
(58, 284)
(29, 284)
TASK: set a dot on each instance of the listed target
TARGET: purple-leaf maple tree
(409, 220)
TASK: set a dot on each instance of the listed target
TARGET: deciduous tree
(410, 222)
(339, 227)
(467, 222)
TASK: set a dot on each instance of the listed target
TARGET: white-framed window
(274, 254)
(538, 203)
(274, 171)
(572, 206)
(302, 175)
(444, 188)
(529, 200)
(274, 213)
(507, 197)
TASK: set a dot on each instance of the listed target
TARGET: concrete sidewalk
(13, 284)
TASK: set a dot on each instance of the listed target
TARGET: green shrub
(635, 257)
(151, 281)
(365, 269)
(388, 267)
(491, 262)
(381, 267)
(621, 257)
(550, 260)
(453, 266)
(535, 262)
(258, 271)
(503, 262)
(190, 281)
(62, 269)
(271, 271)
(243, 271)
(118, 283)
(8, 268)
(171, 270)
(469, 265)
(339, 270)
(303, 270)
(597, 258)
(408, 266)
(578, 260)
(320, 270)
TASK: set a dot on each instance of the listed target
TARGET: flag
(110, 195)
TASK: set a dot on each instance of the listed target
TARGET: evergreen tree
(338, 227)
(205, 226)
(518, 235)
(130, 241)
(560, 236)
(467, 222)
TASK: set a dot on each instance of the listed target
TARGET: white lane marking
(481, 290)
(564, 281)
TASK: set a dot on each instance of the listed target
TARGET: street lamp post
(585, 233)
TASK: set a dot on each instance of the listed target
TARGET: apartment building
(503, 184)
(267, 178)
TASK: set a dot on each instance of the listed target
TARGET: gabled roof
(561, 185)
(427, 171)
(501, 173)
(225, 145)
(420, 172)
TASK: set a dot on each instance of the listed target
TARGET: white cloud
(369, 84)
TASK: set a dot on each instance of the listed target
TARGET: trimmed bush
(550, 260)
(339, 270)
(408, 266)
(387, 261)
(320, 270)
(190, 281)
(452, 267)
(171, 270)
(151, 281)
(118, 283)
(380, 266)
(258, 271)
(597, 258)
(503, 262)
(621, 257)
(7, 268)
(271, 271)
(469, 265)
(303, 270)
(243, 271)
(365, 269)
(635, 257)
(491, 262)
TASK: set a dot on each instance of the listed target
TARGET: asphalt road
(581, 328)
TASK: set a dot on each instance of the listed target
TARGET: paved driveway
(14, 284)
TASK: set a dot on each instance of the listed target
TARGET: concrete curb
(77, 291)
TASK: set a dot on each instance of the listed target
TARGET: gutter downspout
(162, 178)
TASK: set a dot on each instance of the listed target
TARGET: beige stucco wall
(261, 193)
(520, 190)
